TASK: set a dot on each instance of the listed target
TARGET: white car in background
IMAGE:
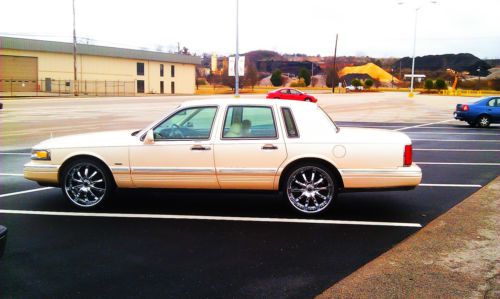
(287, 146)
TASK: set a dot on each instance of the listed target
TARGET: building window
(162, 87)
(172, 71)
(161, 70)
(140, 86)
(172, 87)
(140, 69)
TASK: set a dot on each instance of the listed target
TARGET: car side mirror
(150, 137)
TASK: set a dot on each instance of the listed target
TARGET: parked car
(291, 94)
(354, 88)
(287, 146)
(480, 112)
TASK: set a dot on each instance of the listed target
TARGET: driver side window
(187, 124)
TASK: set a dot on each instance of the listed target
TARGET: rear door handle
(200, 148)
(269, 147)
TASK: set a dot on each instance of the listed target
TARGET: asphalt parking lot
(226, 244)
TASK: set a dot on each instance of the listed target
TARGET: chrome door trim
(264, 171)
(158, 170)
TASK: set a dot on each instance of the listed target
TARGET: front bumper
(401, 177)
(41, 173)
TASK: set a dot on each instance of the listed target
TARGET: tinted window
(291, 128)
(293, 91)
(249, 122)
(285, 91)
(491, 102)
(140, 69)
(190, 123)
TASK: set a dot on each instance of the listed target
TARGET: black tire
(310, 193)
(307, 99)
(277, 98)
(483, 121)
(86, 183)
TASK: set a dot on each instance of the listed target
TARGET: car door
(182, 153)
(495, 110)
(285, 94)
(249, 148)
(296, 95)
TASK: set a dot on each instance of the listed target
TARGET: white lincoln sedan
(287, 146)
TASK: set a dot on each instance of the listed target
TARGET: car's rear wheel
(310, 188)
(483, 121)
(86, 183)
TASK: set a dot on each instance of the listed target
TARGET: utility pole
(334, 63)
(75, 89)
(237, 55)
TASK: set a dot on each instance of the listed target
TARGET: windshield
(337, 128)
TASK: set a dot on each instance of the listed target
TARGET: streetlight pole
(413, 59)
(237, 56)
(478, 78)
(414, 47)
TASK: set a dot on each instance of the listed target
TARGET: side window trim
(276, 133)
(191, 139)
(293, 122)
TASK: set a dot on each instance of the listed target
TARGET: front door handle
(269, 147)
(200, 148)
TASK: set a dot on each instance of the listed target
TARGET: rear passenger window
(249, 122)
(291, 128)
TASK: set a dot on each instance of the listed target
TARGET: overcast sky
(365, 27)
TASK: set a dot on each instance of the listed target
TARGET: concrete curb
(455, 256)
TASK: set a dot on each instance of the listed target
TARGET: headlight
(37, 154)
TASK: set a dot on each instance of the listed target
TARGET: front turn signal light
(40, 155)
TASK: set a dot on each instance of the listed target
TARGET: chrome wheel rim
(483, 121)
(310, 189)
(85, 185)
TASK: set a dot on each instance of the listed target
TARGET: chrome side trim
(34, 167)
(265, 171)
(138, 170)
(380, 172)
(120, 169)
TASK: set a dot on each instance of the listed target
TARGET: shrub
(306, 75)
(368, 83)
(276, 79)
(428, 84)
(440, 84)
(299, 83)
(331, 77)
(356, 83)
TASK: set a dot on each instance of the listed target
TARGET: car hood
(108, 138)
(372, 136)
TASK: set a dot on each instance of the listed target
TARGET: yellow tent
(370, 69)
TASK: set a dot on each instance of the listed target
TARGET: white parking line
(18, 154)
(26, 191)
(454, 150)
(457, 163)
(424, 125)
(451, 185)
(455, 140)
(11, 174)
(210, 218)
(449, 133)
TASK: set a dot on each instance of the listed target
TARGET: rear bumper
(394, 178)
(460, 115)
(41, 173)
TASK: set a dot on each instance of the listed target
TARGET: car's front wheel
(483, 121)
(310, 188)
(307, 99)
(86, 183)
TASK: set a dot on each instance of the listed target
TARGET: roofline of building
(93, 50)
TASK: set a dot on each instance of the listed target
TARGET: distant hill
(458, 62)
(259, 55)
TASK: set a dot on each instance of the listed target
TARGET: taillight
(408, 156)
(465, 107)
